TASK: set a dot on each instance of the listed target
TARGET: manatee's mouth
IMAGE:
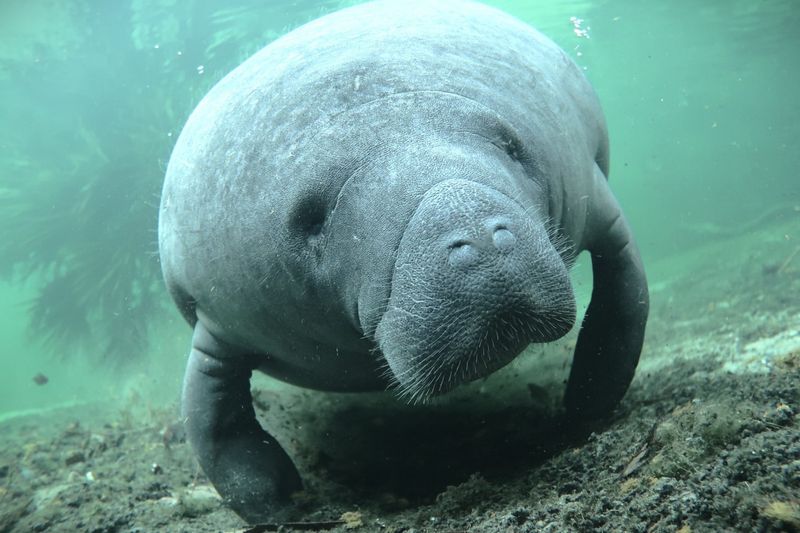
(463, 350)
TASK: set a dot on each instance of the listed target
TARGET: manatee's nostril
(503, 239)
(462, 253)
(458, 243)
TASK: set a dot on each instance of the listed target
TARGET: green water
(701, 100)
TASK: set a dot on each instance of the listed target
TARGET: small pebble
(74, 457)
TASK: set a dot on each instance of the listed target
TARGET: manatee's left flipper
(247, 466)
(612, 333)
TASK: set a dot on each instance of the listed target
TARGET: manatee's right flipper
(247, 466)
(612, 332)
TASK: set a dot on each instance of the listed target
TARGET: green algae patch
(693, 433)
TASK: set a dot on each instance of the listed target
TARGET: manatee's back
(247, 152)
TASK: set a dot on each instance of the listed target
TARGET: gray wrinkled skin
(391, 194)
(476, 280)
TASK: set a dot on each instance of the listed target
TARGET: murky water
(700, 100)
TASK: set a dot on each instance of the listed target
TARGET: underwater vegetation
(96, 94)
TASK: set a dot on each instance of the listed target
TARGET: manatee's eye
(512, 146)
(506, 139)
(308, 217)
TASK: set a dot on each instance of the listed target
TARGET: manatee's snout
(476, 280)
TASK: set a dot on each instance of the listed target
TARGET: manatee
(390, 196)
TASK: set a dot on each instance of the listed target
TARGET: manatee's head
(477, 277)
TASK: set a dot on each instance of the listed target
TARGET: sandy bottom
(706, 440)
